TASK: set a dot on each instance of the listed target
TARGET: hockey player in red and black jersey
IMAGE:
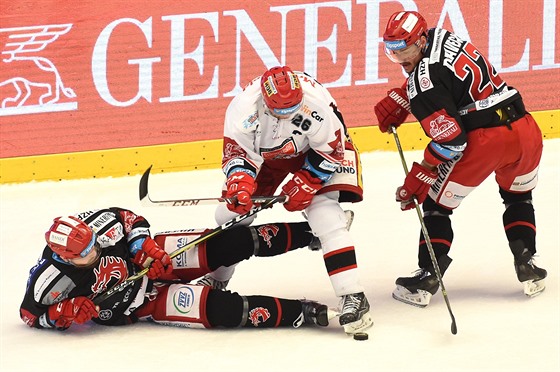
(478, 125)
(89, 253)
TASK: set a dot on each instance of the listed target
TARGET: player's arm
(46, 303)
(322, 160)
(144, 250)
(438, 115)
(439, 118)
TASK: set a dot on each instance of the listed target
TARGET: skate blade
(420, 299)
(360, 325)
(332, 313)
(533, 288)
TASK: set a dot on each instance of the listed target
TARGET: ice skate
(208, 281)
(315, 244)
(418, 290)
(527, 272)
(315, 313)
(355, 315)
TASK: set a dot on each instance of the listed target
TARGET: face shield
(399, 52)
(286, 111)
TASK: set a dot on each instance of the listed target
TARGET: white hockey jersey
(252, 135)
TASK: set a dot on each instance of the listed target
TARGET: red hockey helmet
(403, 30)
(281, 90)
(70, 237)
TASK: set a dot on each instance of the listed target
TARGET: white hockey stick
(439, 276)
(147, 201)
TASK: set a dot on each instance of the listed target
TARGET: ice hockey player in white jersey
(283, 124)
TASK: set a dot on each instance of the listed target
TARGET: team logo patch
(267, 232)
(259, 315)
(109, 267)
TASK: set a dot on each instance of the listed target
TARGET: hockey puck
(361, 336)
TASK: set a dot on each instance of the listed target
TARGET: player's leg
(195, 306)
(263, 311)
(418, 289)
(456, 180)
(268, 180)
(328, 221)
(516, 181)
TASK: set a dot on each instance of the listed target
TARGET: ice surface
(499, 328)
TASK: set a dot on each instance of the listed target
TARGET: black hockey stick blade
(147, 201)
(144, 184)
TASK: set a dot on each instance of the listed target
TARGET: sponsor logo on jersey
(44, 281)
(184, 300)
(442, 128)
(105, 314)
(250, 121)
(231, 150)
(314, 114)
(182, 242)
(424, 79)
(259, 315)
(286, 150)
(109, 267)
(267, 232)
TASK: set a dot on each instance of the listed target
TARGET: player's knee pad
(510, 198)
(219, 249)
(225, 309)
(431, 208)
(325, 215)
(328, 222)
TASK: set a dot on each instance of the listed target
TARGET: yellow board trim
(197, 155)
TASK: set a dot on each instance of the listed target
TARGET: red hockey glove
(393, 109)
(78, 309)
(240, 185)
(417, 183)
(155, 258)
(301, 189)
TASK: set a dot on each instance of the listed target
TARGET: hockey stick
(426, 236)
(147, 201)
(130, 280)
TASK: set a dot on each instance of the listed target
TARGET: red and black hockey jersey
(454, 90)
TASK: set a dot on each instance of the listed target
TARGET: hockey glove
(392, 110)
(241, 186)
(155, 258)
(78, 309)
(301, 189)
(417, 183)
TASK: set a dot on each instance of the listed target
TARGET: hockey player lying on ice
(90, 252)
